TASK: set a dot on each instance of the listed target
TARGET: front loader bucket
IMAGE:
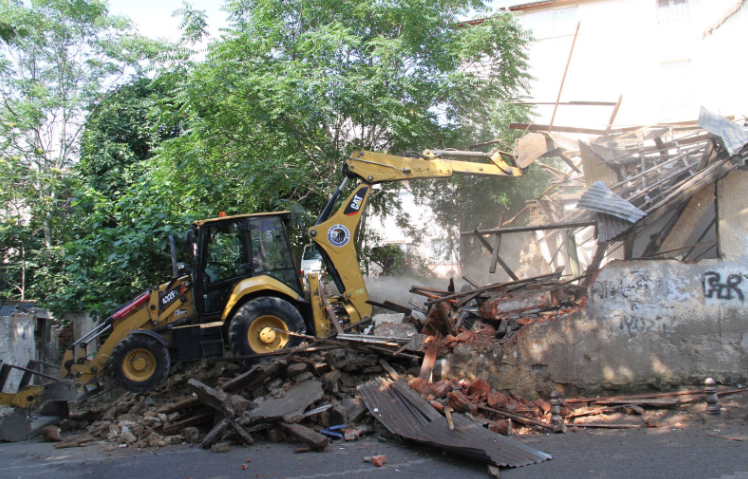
(34, 406)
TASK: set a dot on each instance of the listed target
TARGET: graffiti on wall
(645, 301)
(636, 303)
(634, 286)
(729, 288)
(635, 321)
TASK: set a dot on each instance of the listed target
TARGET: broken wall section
(17, 345)
(648, 323)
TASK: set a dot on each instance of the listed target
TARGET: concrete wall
(17, 345)
(648, 324)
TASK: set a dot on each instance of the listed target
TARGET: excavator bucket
(33, 406)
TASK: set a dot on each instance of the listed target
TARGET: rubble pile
(311, 394)
(296, 395)
(492, 314)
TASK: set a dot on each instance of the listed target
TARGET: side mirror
(189, 236)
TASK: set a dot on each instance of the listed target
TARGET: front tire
(254, 327)
(139, 363)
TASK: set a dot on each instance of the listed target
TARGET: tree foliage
(56, 65)
(104, 163)
(294, 87)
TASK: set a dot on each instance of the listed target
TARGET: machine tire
(253, 316)
(139, 363)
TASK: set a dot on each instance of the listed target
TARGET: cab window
(271, 254)
(226, 259)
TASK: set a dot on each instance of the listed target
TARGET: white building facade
(666, 57)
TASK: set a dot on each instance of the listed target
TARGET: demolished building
(660, 295)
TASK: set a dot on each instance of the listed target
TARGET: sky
(153, 17)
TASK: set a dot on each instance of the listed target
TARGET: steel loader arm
(334, 233)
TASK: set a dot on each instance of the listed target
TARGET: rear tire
(252, 329)
(139, 363)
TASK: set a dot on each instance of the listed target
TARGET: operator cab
(230, 249)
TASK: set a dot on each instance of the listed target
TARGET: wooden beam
(571, 252)
(613, 117)
(495, 286)
(496, 247)
(523, 229)
(331, 312)
(563, 79)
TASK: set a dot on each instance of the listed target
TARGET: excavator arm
(334, 233)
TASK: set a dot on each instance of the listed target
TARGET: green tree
(295, 86)
(66, 56)
(122, 209)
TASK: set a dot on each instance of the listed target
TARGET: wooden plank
(571, 251)
(331, 312)
(506, 269)
(613, 117)
(398, 308)
(471, 282)
(562, 129)
(491, 287)
(563, 79)
(517, 417)
(254, 376)
(495, 286)
(523, 229)
(194, 420)
(570, 163)
(215, 434)
(429, 359)
(390, 370)
(480, 237)
(466, 299)
(496, 247)
(186, 403)
(305, 435)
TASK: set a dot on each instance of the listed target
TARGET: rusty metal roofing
(600, 199)
(404, 413)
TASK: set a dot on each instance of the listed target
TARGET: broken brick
(437, 405)
(479, 387)
(460, 403)
(496, 399)
(378, 461)
(421, 386)
(441, 388)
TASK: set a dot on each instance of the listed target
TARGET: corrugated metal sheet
(733, 135)
(609, 227)
(404, 413)
(600, 199)
(594, 167)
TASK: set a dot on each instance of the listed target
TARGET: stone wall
(648, 324)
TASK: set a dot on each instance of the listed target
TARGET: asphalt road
(655, 453)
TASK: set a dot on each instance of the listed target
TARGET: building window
(552, 23)
(672, 10)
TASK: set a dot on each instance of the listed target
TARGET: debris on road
(408, 415)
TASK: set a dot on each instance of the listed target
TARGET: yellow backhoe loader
(242, 291)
